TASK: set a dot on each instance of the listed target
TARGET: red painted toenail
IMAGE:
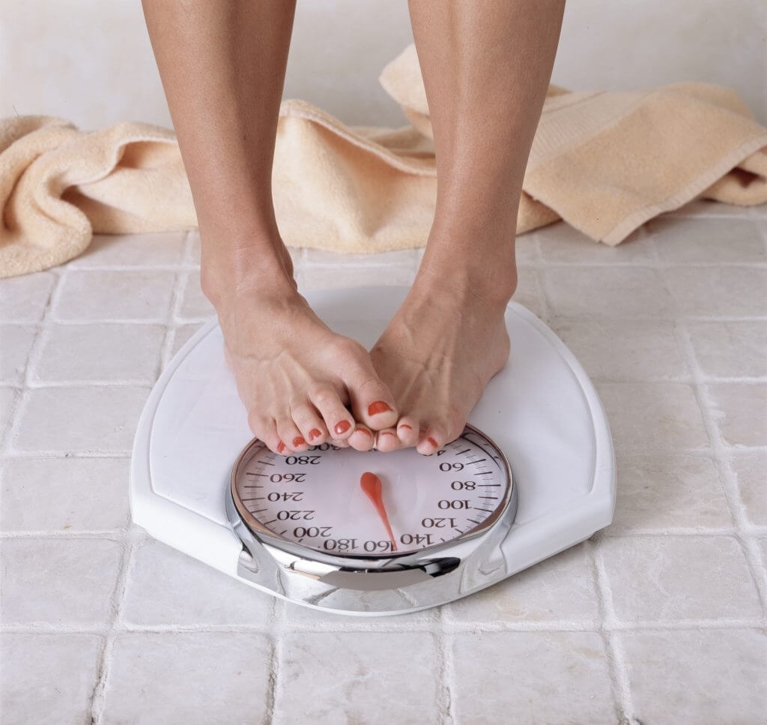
(405, 425)
(363, 430)
(298, 441)
(281, 448)
(433, 442)
(342, 427)
(378, 407)
(314, 433)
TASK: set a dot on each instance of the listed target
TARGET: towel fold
(605, 162)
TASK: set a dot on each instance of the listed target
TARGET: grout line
(445, 644)
(35, 353)
(721, 461)
(616, 661)
(98, 697)
(273, 668)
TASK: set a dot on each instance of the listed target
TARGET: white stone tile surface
(531, 677)
(107, 625)
(730, 349)
(138, 250)
(698, 676)
(673, 578)
(625, 350)
(24, 299)
(560, 589)
(9, 401)
(160, 580)
(48, 677)
(682, 240)
(81, 418)
(658, 493)
(346, 677)
(740, 411)
(750, 469)
(62, 581)
(610, 291)
(64, 494)
(661, 416)
(195, 678)
(15, 343)
(103, 351)
(719, 291)
(115, 295)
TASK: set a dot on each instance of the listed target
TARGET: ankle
(257, 266)
(486, 280)
(223, 285)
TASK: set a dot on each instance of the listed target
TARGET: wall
(90, 61)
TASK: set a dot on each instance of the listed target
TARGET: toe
(268, 434)
(290, 435)
(431, 441)
(372, 401)
(338, 419)
(387, 440)
(309, 422)
(362, 438)
(408, 431)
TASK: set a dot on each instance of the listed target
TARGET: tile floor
(658, 619)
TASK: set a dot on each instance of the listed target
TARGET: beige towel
(603, 162)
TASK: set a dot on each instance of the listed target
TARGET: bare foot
(295, 375)
(437, 355)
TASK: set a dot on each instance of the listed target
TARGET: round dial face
(343, 502)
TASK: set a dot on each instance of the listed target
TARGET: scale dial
(342, 502)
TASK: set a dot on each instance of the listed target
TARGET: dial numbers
(344, 502)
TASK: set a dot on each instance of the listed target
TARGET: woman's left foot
(444, 344)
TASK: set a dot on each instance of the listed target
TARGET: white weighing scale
(372, 533)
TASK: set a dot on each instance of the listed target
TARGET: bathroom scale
(373, 533)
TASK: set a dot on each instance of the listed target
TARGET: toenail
(405, 425)
(378, 407)
(387, 433)
(298, 441)
(433, 442)
(342, 427)
(363, 430)
(281, 448)
(314, 433)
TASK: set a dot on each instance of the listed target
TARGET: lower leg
(222, 65)
(486, 68)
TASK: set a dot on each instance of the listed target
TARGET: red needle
(371, 485)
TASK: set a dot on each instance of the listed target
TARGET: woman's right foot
(296, 376)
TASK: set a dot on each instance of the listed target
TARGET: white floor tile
(195, 678)
(673, 578)
(84, 419)
(100, 352)
(661, 492)
(135, 250)
(24, 298)
(531, 677)
(64, 494)
(51, 679)
(115, 296)
(357, 677)
(58, 581)
(159, 582)
(698, 676)
(15, 342)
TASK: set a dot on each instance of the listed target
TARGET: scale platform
(541, 410)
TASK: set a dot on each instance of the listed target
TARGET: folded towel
(603, 162)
